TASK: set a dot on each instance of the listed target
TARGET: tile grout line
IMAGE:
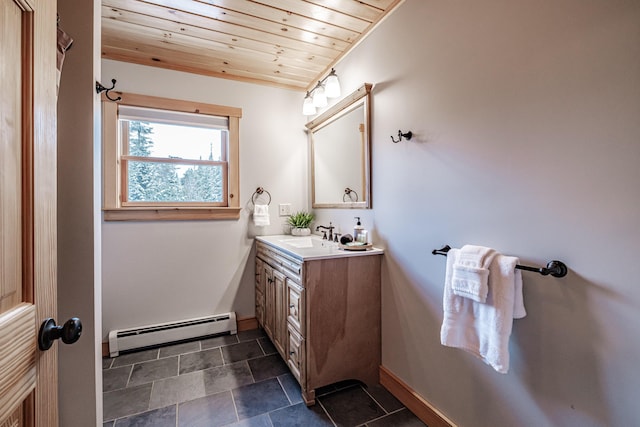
(318, 402)
(222, 354)
(374, 399)
(235, 407)
(285, 390)
(251, 372)
(264, 353)
(385, 415)
(153, 383)
(404, 408)
(129, 376)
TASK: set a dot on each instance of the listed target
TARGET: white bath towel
(261, 215)
(471, 272)
(484, 329)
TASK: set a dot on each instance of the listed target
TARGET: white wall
(79, 246)
(173, 270)
(527, 124)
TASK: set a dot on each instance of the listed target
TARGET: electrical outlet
(284, 209)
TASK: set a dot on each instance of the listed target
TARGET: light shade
(329, 87)
(319, 97)
(308, 108)
(332, 85)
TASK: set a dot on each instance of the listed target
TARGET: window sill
(170, 214)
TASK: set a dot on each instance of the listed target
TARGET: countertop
(312, 247)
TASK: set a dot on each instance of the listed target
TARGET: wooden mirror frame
(362, 96)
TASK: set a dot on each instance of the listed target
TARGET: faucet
(330, 228)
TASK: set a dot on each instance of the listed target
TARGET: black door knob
(49, 332)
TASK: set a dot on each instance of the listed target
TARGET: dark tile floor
(235, 380)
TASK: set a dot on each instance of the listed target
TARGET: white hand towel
(484, 329)
(261, 215)
(471, 272)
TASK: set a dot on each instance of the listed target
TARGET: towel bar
(555, 268)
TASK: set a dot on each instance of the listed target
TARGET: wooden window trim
(113, 207)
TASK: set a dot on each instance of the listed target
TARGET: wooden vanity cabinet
(260, 288)
(322, 315)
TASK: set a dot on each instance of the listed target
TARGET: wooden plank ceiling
(286, 43)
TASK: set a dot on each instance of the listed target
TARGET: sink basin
(303, 242)
(312, 247)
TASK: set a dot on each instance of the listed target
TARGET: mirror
(340, 141)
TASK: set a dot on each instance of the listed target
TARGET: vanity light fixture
(332, 85)
(329, 87)
(307, 106)
(319, 97)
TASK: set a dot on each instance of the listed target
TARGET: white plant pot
(300, 231)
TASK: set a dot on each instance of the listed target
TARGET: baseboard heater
(164, 333)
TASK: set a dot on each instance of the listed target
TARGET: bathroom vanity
(320, 305)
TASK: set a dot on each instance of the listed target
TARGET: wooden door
(28, 377)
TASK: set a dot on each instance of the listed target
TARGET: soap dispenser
(359, 232)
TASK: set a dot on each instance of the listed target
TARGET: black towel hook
(407, 136)
(106, 90)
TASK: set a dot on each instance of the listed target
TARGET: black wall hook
(407, 136)
(101, 88)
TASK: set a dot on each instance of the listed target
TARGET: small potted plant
(299, 223)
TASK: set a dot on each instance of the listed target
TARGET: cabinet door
(260, 285)
(260, 308)
(260, 275)
(296, 356)
(269, 301)
(295, 306)
(280, 317)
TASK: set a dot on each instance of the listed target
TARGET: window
(167, 159)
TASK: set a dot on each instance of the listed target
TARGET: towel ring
(347, 193)
(257, 194)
